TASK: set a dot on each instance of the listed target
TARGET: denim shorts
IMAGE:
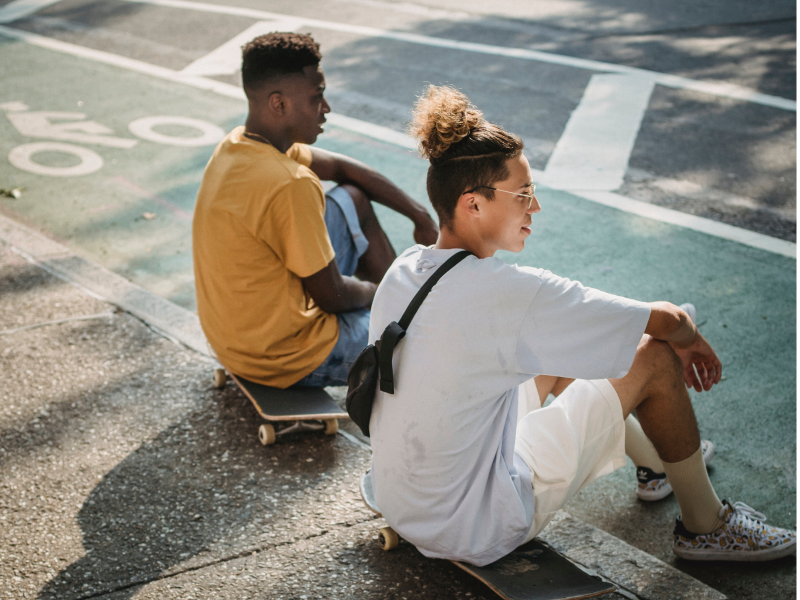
(349, 244)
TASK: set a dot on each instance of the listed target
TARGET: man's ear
(277, 103)
(470, 204)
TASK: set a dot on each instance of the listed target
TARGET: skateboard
(533, 571)
(289, 410)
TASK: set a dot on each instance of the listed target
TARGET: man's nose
(535, 206)
(326, 108)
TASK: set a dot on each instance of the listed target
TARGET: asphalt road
(714, 156)
(723, 148)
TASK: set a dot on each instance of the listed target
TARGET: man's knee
(655, 367)
(360, 201)
(658, 357)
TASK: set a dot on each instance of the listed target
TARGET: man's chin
(311, 138)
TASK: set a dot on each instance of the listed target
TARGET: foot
(743, 537)
(655, 486)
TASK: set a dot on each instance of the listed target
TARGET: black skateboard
(287, 411)
(531, 572)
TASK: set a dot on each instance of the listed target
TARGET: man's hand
(426, 231)
(671, 324)
(701, 367)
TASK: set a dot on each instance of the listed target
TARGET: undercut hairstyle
(276, 54)
(465, 151)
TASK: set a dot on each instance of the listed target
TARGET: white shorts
(570, 443)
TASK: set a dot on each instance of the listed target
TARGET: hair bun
(443, 116)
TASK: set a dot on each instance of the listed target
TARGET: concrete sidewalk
(124, 474)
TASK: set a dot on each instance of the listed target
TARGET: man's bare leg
(374, 263)
(655, 387)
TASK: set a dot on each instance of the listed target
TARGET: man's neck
(449, 239)
(277, 138)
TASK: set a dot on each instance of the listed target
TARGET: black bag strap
(395, 331)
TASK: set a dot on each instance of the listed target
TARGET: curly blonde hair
(465, 151)
(443, 116)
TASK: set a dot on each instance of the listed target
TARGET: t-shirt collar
(430, 257)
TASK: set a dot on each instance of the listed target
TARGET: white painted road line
(594, 150)
(725, 90)
(377, 132)
(19, 9)
(391, 136)
(707, 226)
(72, 127)
(227, 59)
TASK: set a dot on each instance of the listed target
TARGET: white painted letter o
(22, 158)
(144, 128)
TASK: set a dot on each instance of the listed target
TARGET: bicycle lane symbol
(67, 127)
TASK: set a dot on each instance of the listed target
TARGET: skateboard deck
(292, 410)
(531, 572)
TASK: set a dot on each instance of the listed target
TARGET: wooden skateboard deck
(297, 409)
(531, 572)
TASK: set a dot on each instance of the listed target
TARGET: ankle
(700, 506)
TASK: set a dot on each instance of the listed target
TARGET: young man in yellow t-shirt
(285, 274)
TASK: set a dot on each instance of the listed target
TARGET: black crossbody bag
(375, 361)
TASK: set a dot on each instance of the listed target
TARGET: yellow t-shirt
(259, 226)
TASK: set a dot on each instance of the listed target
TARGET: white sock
(639, 448)
(699, 503)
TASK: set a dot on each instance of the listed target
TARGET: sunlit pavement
(91, 405)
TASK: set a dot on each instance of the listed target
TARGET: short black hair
(275, 54)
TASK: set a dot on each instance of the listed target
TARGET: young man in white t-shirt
(466, 463)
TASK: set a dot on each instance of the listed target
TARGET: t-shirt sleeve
(294, 227)
(573, 331)
(300, 153)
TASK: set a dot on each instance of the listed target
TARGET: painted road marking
(40, 124)
(377, 132)
(391, 136)
(19, 9)
(78, 129)
(703, 225)
(227, 59)
(144, 128)
(725, 90)
(594, 150)
(22, 158)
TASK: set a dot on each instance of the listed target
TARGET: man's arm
(330, 166)
(701, 367)
(335, 293)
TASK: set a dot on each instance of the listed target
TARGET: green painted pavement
(745, 297)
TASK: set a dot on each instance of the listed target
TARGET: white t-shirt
(445, 474)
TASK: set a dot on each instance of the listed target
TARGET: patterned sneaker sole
(737, 555)
(653, 495)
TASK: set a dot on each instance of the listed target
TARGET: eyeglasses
(530, 196)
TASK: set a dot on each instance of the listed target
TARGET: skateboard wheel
(331, 426)
(220, 377)
(388, 538)
(266, 434)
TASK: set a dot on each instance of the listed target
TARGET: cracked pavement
(124, 474)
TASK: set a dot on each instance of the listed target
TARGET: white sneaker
(743, 537)
(654, 486)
